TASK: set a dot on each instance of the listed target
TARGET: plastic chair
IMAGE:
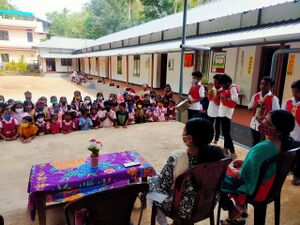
(206, 179)
(1, 220)
(108, 207)
(284, 164)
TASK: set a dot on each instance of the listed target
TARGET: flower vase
(94, 161)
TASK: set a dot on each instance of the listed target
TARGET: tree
(4, 4)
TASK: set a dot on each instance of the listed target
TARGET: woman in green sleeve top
(242, 177)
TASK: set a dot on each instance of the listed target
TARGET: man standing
(196, 94)
(261, 104)
(228, 102)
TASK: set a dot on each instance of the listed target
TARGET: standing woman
(196, 94)
(228, 102)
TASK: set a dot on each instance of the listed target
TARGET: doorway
(163, 70)
(50, 64)
(79, 66)
(265, 68)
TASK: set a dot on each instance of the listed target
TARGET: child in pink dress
(54, 126)
(151, 114)
(160, 111)
(8, 126)
(108, 116)
(95, 117)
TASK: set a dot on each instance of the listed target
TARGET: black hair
(84, 110)
(107, 103)
(28, 102)
(285, 123)
(217, 76)
(99, 94)
(39, 115)
(15, 105)
(123, 104)
(224, 79)
(269, 80)
(168, 85)
(172, 100)
(53, 115)
(27, 118)
(296, 85)
(197, 74)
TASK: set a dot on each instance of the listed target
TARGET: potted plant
(94, 146)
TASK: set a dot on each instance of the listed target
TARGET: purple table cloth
(65, 181)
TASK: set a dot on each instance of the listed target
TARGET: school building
(18, 34)
(242, 36)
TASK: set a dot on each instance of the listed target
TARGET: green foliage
(102, 17)
(4, 4)
(21, 66)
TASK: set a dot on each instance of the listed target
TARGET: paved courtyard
(155, 141)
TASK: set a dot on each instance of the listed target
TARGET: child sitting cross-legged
(95, 117)
(8, 126)
(41, 124)
(53, 126)
(151, 114)
(171, 111)
(67, 125)
(85, 122)
(27, 131)
(160, 111)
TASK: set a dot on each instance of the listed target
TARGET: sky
(41, 7)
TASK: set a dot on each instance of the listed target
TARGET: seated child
(75, 119)
(122, 115)
(2, 99)
(95, 117)
(99, 101)
(77, 101)
(87, 103)
(63, 103)
(2, 107)
(29, 108)
(41, 107)
(85, 122)
(131, 112)
(151, 114)
(56, 110)
(160, 111)
(41, 124)
(67, 125)
(8, 126)
(108, 117)
(139, 112)
(27, 131)
(53, 126)
(171, 111)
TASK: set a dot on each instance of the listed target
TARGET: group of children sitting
(25, 120)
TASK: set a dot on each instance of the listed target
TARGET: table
(64, 181)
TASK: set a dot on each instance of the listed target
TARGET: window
(119, 64)
(4, 35)
(66, 62)
(29, 36)
(5, 57)
(136, 65)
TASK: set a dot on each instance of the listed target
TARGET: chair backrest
(206, 178)
(112, 206)
(1, 220)
(284, 164)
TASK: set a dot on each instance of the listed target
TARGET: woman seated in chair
(242, 176)
(197, 136)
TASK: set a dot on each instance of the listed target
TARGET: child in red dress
(53, 126)
(41, 124)
(8, 126)
(67, 125)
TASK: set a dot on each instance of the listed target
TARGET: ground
(155, 141)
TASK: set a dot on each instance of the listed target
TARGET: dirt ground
(155, 141)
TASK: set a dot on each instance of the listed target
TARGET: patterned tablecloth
(65, 181)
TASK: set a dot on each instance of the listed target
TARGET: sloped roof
(65, 43)
(206, 12)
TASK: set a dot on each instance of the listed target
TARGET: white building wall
(145, 71)
(30, 56)
(86, 65)
(115, 75)
(60, 68)
(94, 70)
(173, 76)
(295, 75)
(103, 67)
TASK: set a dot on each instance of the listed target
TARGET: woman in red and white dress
(228, 102)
